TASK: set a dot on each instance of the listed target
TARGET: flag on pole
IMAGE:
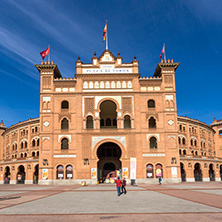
(44, 53)
(104, 32)
(163, 51)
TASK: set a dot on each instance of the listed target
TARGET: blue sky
(191, 30)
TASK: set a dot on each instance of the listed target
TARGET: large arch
(36, 174)
(7, 175)
(21, 175)
(211, 172)
(108, 114)
(183, 172)
(198, 172)
(109, 163)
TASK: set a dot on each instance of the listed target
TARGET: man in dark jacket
(124, 186)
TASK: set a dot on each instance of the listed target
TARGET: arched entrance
(21, 175)
(211, 172)
(7, 175)
(197, 172)
(183, 172)
(221, 172)
(36, 174)
(108, 114)
(109, 161)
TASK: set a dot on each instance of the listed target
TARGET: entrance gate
(109, 161)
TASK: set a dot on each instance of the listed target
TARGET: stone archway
(183, 172)
(7, 175)
(198, 172)
(36, 174)
(108, 114)
(211, 172)
(109, 155)
(21, 175)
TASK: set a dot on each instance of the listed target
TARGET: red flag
(163, 51)
(44, 53)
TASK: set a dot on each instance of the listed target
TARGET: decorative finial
(118, 53)
(94, 53)
(135, 57)
(79, 58)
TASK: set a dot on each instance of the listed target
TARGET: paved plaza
(167, 202)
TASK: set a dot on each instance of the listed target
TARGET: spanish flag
(104, 32)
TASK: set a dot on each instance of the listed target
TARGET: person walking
(160, 180)
(124, 185)
(118, 186)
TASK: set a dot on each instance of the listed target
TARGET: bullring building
(108, 119)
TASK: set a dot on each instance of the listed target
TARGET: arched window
(151, 103)
(33, 142)
(180, 151)
(33, 154)
(60, 172)
(37, 142)
(184, 152)
(69, 172)
(196, 153)
(37, 153)
(89, 122)
(159, 170)
(26, 144)
(65, 104)
(179, 140)
(114, 122)
(152, 123)
(64, 144)
(184, 141)
(108, 122)
(16, 146)
(101, 122)
(153, 143)
(195, 143)
(180, 127)
(25, 155)
(127, 122)
(21, 155)
(21, 145)
(65, 124)
(191, 142)
(149, 171)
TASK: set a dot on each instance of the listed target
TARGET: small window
(114, 122)
(152, 123)
(153, 143)
(64, 144)
(33, 142)
(37, 142)
(25, 155)
(191, 142)
(195, 143)
(179, 140)
(26, 144)
(127, 122)
(65, 104)
(184, 141)
(33, 154)
(180, 152)
(65, 124)
(21, 145)
(108, 122)
(36, 129)
(101, 122)
(89, 122)
(180, 127)
(184, 152)
(37, 153)
(151, 103)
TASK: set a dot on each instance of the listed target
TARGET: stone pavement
(169, 202)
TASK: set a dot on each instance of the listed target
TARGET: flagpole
(164, 51)
(49, 54)
(106, 36)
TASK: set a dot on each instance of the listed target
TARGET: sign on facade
(132, 168)
(174, 171)
(125, 172)
(45, 174)
(93, 173)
